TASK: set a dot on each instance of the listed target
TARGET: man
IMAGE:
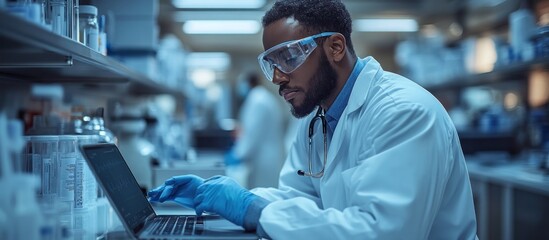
(394, 167)
(254, 153)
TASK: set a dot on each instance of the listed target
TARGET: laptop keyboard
(178, 225)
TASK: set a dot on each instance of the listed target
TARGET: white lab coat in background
(260, 144)
(395, 171)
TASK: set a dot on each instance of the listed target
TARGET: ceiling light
(219, 4)
(386, 25)
(219, 61)
(221, 27)
(188, 15)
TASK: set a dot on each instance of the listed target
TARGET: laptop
(135, 211)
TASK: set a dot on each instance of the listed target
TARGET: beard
(321, 85)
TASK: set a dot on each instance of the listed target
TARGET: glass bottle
(58, 17)
(89, 29)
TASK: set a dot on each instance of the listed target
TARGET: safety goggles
(288, 56)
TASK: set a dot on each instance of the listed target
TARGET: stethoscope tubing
(319, 115)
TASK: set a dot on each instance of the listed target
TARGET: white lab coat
(395, 171)
(260, 144)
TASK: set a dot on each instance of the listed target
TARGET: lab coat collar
(333, 114)
(370, 74)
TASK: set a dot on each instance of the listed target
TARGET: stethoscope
(319, 115)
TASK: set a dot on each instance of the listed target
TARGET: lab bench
(511, 199)
(206, 164)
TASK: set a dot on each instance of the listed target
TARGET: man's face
(319, 88)
(311, 83)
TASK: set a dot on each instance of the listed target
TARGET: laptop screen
(119, 183)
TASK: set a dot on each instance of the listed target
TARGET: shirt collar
(334, 112)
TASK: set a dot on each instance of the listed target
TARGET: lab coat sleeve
(394, 190)
(290, 184)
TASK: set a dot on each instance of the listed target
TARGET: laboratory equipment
(64, 204)
(20, 217)
(85, 187)
(94, 125)
(74, 19)
(89, 29)
(29, 10)
(522, 26)
(58, 17)
(62, 16)
(85, 194)
(77, 208)
(45, 148)
(67, 164)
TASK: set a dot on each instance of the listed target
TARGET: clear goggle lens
(288, 56)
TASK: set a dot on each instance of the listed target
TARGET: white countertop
(516, 173)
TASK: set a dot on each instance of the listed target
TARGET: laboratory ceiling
(171, 20)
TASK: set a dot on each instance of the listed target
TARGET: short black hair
(253, 79)
(315, 15)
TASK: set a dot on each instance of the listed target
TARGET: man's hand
(180, 189)
(223, 195)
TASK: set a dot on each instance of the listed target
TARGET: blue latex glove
(231, 158)
(180, 189)
(223, 195)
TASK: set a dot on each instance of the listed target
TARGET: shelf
(473, 141)
(32, 54)
(512, 72)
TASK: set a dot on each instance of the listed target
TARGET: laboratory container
(89, 28)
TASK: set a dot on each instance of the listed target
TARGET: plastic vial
(89, 29)
(58, 17)
(45, 166)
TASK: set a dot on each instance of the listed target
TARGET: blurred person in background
(258, 153)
